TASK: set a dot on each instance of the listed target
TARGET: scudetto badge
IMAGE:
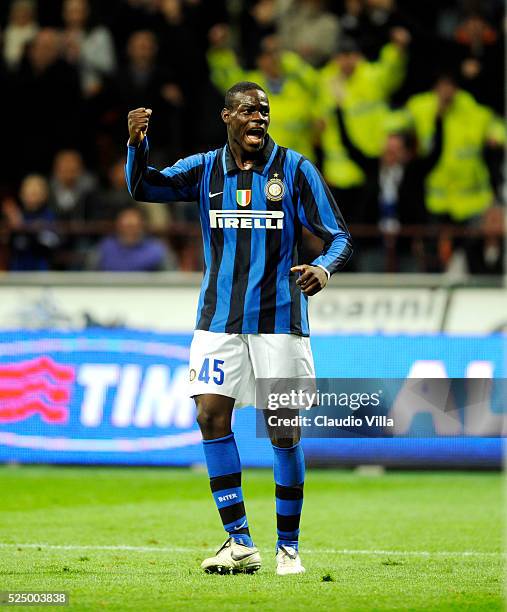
(243, 197)
(275, 189)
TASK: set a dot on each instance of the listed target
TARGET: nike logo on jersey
(212, 195)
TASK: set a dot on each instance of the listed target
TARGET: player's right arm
(178, 183)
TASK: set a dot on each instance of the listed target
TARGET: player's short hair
(240, 87)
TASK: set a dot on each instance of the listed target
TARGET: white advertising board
(375, 310)
(145, 308)
(477, 311)
(173, 309)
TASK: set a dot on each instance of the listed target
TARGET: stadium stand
(371, 89)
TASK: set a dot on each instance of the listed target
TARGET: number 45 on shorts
(216, 374)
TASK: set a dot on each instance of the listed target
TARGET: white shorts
(228, 364)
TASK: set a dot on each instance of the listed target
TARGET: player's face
(248, 121)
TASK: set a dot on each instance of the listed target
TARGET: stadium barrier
(179, 234)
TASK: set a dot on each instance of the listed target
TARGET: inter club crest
(243, 196)
(275, 189)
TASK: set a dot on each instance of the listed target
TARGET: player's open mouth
(255, 136)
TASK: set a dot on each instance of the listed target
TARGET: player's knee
(212, 424)
(205, 419)
(286, 441)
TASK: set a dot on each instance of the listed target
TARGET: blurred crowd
(399, 103)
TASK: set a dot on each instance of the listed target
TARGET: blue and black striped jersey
(251, 227)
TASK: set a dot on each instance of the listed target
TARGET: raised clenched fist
(138, 121)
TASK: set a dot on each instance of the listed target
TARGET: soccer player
(252, 322)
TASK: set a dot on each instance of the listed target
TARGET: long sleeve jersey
(251, 227)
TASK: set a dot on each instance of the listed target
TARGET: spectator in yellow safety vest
(362, 90)
(460, 188)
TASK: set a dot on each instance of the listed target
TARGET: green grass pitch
(133, 539)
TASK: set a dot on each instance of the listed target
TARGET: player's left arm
(318, 212)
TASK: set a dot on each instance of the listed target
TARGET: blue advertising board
(102, 396)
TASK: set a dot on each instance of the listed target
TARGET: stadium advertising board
(375, 310)
(99, 397)
(466, 303)
(348, 310)
(172, 309)
(120, 396)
